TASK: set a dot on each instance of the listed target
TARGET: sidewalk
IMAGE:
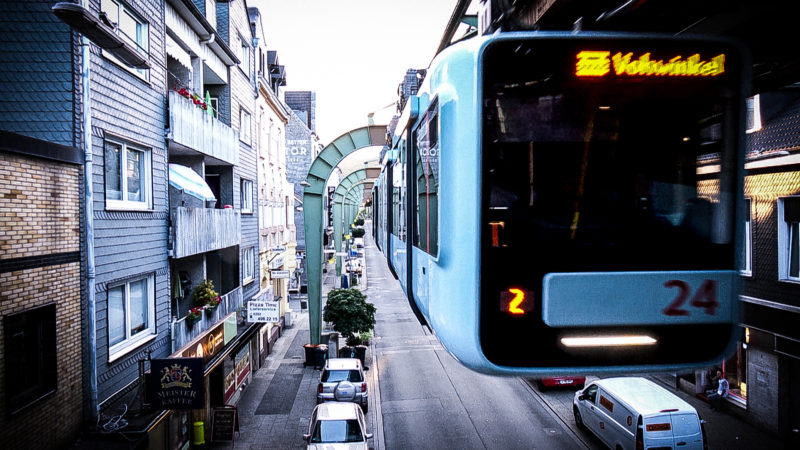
(275, 408)
(724, 429)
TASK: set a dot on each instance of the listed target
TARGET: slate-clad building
(169, 121)
(123, 269)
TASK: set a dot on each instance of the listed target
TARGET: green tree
(358, 232)
(350, 314)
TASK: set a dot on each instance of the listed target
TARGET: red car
(552, 382)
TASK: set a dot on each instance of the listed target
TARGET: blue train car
(564, 203)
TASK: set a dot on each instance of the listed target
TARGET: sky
(352, 53)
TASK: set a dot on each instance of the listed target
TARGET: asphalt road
(426, 399)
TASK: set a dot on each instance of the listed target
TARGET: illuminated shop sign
(601, 63)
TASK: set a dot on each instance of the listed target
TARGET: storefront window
(735, 370)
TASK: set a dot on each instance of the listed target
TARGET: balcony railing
(192, 127)
(200, 230)
(182, 334)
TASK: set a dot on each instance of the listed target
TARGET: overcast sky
(353, 53)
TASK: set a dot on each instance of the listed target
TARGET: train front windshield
(603, 156)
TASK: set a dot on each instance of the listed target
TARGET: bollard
(198, 438)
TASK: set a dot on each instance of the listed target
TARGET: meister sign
(177, 383)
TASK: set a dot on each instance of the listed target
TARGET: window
(127, 176)
(131, 314)
(244, 126)
(30, 356)
(211, 12)
(244, 56)
(248, 264)
(215, 106)
(789, 238)
(131, 28)
(247, 196)
(754, 114)
(426, 167)
(747, 248)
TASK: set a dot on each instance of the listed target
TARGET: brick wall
(40, 204)
(41, 200)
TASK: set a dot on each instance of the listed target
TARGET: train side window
(426, 173)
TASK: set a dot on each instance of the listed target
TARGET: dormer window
(211, 12)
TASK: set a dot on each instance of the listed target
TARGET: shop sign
(177, 383)
(242, 365)
(230, 380)
(207, 346)
(277, 274)
(264, 312)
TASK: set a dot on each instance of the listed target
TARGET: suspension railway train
(559, 203)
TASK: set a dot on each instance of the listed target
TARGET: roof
(643, 395)
(337, 411)
(343, 363)
(780, 132)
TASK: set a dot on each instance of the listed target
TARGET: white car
(337, 426)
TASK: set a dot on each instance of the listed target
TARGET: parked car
(634, 413)
(337, 426)
(343, 380)
(565, 381)
(358, 242)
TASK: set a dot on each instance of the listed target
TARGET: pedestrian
(715, 396)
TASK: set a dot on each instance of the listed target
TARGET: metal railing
(200, 230)
(192, 127)
(183, 333)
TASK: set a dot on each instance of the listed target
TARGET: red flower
(184, 92)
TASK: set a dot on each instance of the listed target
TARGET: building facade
(41, 348)
(766, 366)
(276, 229)
(302, 146)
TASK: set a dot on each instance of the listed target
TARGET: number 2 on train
(705, 297)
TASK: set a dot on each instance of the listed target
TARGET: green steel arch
(318, 175)
(345, 206)
(355, 181)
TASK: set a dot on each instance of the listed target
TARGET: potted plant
(204, 293)
(193, 316)
(350, 314)
(212, 304)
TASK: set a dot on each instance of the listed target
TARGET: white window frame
(145, 182)
(131, 342)
(247, 196)
(244, 55)
(244, 125)
(747, 263)
(754, 113)
(786, 242)
(141, 41)
(248, 265)
(211, 12)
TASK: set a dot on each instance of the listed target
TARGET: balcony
(183, 334)
(200, 230)
(195, 129)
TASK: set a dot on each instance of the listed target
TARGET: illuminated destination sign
(601, 63)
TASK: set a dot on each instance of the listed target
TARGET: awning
(176, 51)
(182, 177)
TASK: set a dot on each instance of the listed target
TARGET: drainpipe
(91, 329)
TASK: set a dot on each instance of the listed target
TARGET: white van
(635, 413)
